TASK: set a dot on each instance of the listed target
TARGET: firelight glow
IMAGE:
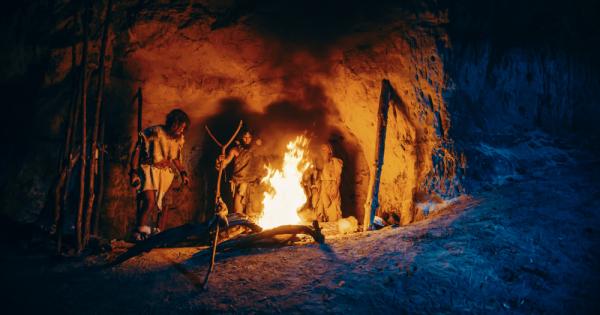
(286, 195)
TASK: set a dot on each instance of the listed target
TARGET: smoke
(318, 25)
(308, 113)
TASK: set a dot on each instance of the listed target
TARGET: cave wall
(180, 59)
(224, 61)
(523, 85)
(195, 68)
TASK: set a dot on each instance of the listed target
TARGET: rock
(391, 218)
(378, 222)
(347, 225)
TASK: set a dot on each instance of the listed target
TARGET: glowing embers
(285, 195)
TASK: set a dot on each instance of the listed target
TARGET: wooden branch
(213, 137)
(58, 189)
(84, 87)
(94, 154)
(239, 127)
(218, 201)
(140, 102)
(223, 152)
(96, 225)
(64, 158)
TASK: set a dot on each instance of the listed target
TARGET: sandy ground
(526, 247)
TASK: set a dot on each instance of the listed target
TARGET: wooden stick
(96, 226)
(140, 102)
(382, 117)
(213, 137)
(216, 220)
(71, 123)
(84, 87)
(58, 220)
(94, 154)
(72, 108)
(223, 152)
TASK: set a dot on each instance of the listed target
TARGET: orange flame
(286, 195)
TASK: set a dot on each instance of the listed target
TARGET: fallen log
(254, 239)
(198, 233)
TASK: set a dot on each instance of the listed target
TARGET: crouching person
(154, 161)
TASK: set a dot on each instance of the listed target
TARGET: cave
(465, 135)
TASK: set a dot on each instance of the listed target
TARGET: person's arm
(182, 171)
(134, 164)
(223, 160)
(178, 162)
(135, 158)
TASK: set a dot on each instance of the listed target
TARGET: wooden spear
(84, 87)
(94, 147)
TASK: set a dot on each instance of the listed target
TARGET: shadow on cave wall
(355, 173)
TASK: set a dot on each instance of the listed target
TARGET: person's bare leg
(148, 202)
(239, 199)
(238, 207)
(162, 217)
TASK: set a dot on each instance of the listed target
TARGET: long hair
(177, 116)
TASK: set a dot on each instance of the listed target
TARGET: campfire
(285, 195)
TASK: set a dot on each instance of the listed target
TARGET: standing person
(244, 169)
(154, 161)
(328, 201)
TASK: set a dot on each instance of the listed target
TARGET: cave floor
(530, 246)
